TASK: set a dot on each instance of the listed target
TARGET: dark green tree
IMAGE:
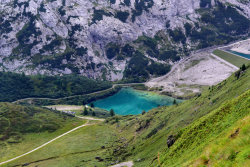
(174, 102)
(143, 112)
(92, 105)
(93, 114)
(243, 67)
(112, 113)
(85, 111)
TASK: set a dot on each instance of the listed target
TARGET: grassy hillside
(205, 130)
(231, 148)
(80, 148)
(198, 126)
(23, 128)
(18, 86)
(235, 60)
(145, 136)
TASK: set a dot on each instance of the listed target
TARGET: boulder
(170, 140)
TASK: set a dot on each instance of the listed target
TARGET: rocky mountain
(113, 39)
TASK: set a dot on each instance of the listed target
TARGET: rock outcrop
(88, 37)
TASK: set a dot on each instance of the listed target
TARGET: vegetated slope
(191, 142)
(106, 38)
(231, 148)
(17, 120)
(17, 86)
(22, 128)
(145, 136)
(84, 147)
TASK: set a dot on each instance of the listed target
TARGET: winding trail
(85, 124)
(72, 130)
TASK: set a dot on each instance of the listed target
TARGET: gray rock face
(72, 36)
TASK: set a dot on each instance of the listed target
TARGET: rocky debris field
(200, 69)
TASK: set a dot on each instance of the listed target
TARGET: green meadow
(79, 148)
(233, 59)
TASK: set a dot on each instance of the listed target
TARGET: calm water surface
(240, 54)
(129, 101)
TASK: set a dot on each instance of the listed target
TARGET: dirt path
(91, 118)
(123, 164)
(72, 130)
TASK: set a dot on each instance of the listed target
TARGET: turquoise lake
(240, 54)
(130, 101)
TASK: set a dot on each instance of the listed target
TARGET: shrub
(188, 28)
(112, 51)
(112, 113)
(140, 6)
(62, 11)
(128, 50)
(205, 3)
(98, 15)
(177, 35)
(112, 1)
(123, 16)
(127, 2)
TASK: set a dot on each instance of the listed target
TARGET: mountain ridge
(100, 39)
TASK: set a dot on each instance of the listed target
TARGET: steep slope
(192, 124)
(23, 128)
(104, 39)
(200, 133)
(230, 149)
(18, 86)
(18, 120)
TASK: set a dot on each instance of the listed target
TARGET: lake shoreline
(129, 101)
(91, 98)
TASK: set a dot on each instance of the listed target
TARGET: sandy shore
(241, 47)
(241, 50)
